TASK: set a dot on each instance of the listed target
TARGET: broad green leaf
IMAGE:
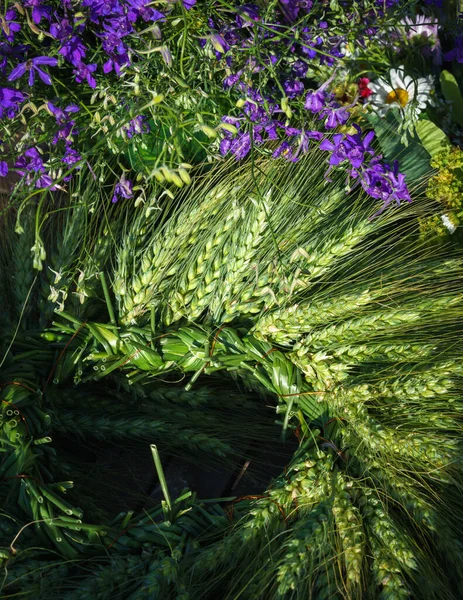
(452, 94)
(432, 138)
(414, 160)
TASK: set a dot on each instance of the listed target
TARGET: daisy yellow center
(398, 95)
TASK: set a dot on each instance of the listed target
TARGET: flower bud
(211, 133)
(229, 127)
(184, 175)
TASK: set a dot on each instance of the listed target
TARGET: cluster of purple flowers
(110, 21)
(379, 180)
(70, 28)
(275, 40)
(259, 117)
(66, 129)
(30, 165)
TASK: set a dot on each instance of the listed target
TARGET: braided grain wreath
(348, 326)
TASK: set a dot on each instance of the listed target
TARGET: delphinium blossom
(29, 165)
(378, 179)
(9, 24)
(33, 66)
(9, 102)
(66, 125)
(85, 72)
(40, 10)
(137, 126)
(123, 189)
(71, 156)
(456, 53)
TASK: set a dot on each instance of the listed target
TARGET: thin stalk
(104, 284)
(161, 476)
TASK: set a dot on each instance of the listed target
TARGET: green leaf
(432, 138)
(414, 160)
(452, 94)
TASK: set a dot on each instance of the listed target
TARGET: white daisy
(425, 28)
(420, 26)
(401, 92)
(448, 223)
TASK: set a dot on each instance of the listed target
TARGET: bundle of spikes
(261, 299)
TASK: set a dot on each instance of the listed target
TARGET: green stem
(104, 284)
(161, 476)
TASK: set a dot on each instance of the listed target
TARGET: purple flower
(300, 68)
(357, 148)
(382, 182)
(123, 189)
(457, 52)
(62, 116)
(119, 26)
(39, 12)
(224, 146)
(188, 4)
(232, 79)
(241, 145)
(350, 148)
(45, 181)
(112, 43)
(71, 156)
(10, 26)
(61, 29)
(270, 129)
(336, 147)
(315, 101)
(335, 116)
(73, 50)
(285, 149)
(84, 72)
(219, 43)
(293, 88)
(291, 8)
(14, 53)
(33, 65)
(30, 161)
(9, 102)
(291, 131)
(116, 63)
(250, 13)
(3, 168)
(139, 8)
(138, 125)
(102, 8)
